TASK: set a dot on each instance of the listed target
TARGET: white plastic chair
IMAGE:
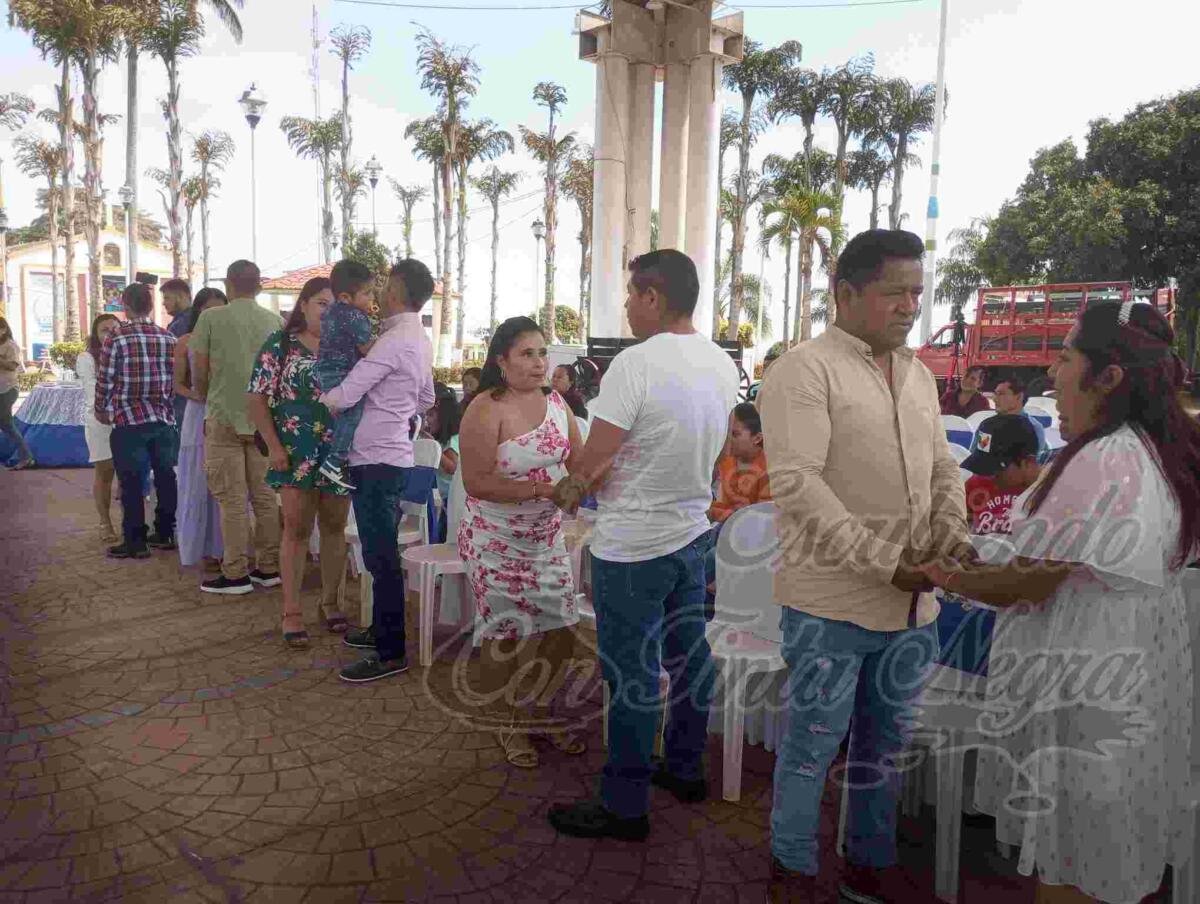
(978, 418)
(1043, 403)
(958, 429)
(1054, 439)
(584, 426)
(432, 561)
(965, 475)
(414, 528)
(960, 453)
(745, 636)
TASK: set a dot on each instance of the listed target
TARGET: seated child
(741, 480)
(345, 338)
(1004, 460)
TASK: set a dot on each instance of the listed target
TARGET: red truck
(1019, 330)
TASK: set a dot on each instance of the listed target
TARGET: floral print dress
(516, 555)
(284, 373)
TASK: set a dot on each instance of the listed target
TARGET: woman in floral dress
(297, 430)
(1086, 725)
(517, 441)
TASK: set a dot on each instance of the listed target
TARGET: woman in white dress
(95, 433)
(1086, 730)
(518, 440)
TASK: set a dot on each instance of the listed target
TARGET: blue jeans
(842, 676)
(344, 424)
(135, 450)
(380, 488)
(650, 614)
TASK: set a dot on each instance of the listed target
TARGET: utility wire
(838, 4)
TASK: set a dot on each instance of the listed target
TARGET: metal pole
(374, 221)
(253, 201)
(537, 253)
(4, 250)
(931, 214)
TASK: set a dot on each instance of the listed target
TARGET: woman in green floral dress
(297, 430)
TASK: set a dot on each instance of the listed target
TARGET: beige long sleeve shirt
(859, 470)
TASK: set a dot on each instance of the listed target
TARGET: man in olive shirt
(225, 343)
(867, 489)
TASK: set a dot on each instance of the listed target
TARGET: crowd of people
(843, 436)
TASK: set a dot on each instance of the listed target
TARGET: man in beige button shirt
(867, 489)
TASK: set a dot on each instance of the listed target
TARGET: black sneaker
(372, 669)
(233, 586)
(361, 638)
(686, 791)
(788, 886)
(266, 578)
(158, 541)
(589, 819)
(125, 551)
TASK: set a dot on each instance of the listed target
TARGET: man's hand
(102, 416)
(277, 458)
(568, 493)
(964, 554)
(911, 579)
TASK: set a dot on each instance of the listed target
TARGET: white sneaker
(336, 477)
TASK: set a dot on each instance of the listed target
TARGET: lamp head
(252, 104)
(374, 168)
(539, 229)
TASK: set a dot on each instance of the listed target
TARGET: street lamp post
(3, 251)
(252, 104)
(539, 232)
(125, 193)
(373, 168)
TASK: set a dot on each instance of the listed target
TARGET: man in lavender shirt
(396, 378)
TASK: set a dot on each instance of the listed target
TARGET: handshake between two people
(567, 494)
(920, 570)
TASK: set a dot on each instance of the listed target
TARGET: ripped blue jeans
(844, 677)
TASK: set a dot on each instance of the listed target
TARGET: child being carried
(346, 336)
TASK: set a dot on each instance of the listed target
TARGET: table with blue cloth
(51, 420)
(964, 630)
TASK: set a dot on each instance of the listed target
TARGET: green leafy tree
(811, 217)
(958, 272)
(42, 159)
(568, 329)
(365, 248)
(907, 111)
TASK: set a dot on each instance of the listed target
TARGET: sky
(1021, 75)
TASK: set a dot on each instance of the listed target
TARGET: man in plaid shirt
(135, 393)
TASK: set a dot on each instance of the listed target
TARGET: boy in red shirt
(1004, 460)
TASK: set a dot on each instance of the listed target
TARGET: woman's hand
(937, 574)
(277, 458)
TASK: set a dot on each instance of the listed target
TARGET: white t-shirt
(673, 394)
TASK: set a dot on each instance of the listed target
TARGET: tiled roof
(294, 280)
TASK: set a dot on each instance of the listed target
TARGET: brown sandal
(296, 640)
(523, 757)
(564, 741)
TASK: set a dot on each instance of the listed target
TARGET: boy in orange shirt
(741, 481)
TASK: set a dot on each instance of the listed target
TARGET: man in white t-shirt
(658, 426)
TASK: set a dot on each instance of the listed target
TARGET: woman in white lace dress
(1086, 730)
(516, 442)
(95, 433)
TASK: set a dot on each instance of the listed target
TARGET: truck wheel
(1038, 386)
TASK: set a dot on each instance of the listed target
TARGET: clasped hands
(920, 570)
(568, 493)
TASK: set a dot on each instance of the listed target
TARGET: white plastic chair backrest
(1042, 403)
(960, 453)
(956, 423)
(747, 555)
(1191, 594)
(583, 428)
(456, 507)
(965, 475)
(1054, 438)
(978, 418)
(427, 453)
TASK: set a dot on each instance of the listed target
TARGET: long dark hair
(573, 397)
(506, 336)
(295, 322)
(203, 297)
(1147, 399)
(94, 336)
(7, 330)
(449, 416)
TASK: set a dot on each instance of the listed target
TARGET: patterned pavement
(159, 745)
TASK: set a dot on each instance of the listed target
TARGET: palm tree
(481, 140)
(408, 197)
(907, 111)
(849, 91)
(451, 76)
(728, 133)
(349, 44)
(211, 149)
(349, 186)
(959, 274)
(430, 145)
(577, 184)
(193, 193)
(804, 212)
(174, 35)
(754, 292)
(867, 170)
(317, 139)
(549, 151)
(38, 158)
(495, 185)
(13, 110)
(756, 75)
(801, 93)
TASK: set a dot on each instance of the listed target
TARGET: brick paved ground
(159, 745)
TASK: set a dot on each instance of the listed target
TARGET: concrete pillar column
(609, 211)
(672, 166)
(640, 171)
(700, 224)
